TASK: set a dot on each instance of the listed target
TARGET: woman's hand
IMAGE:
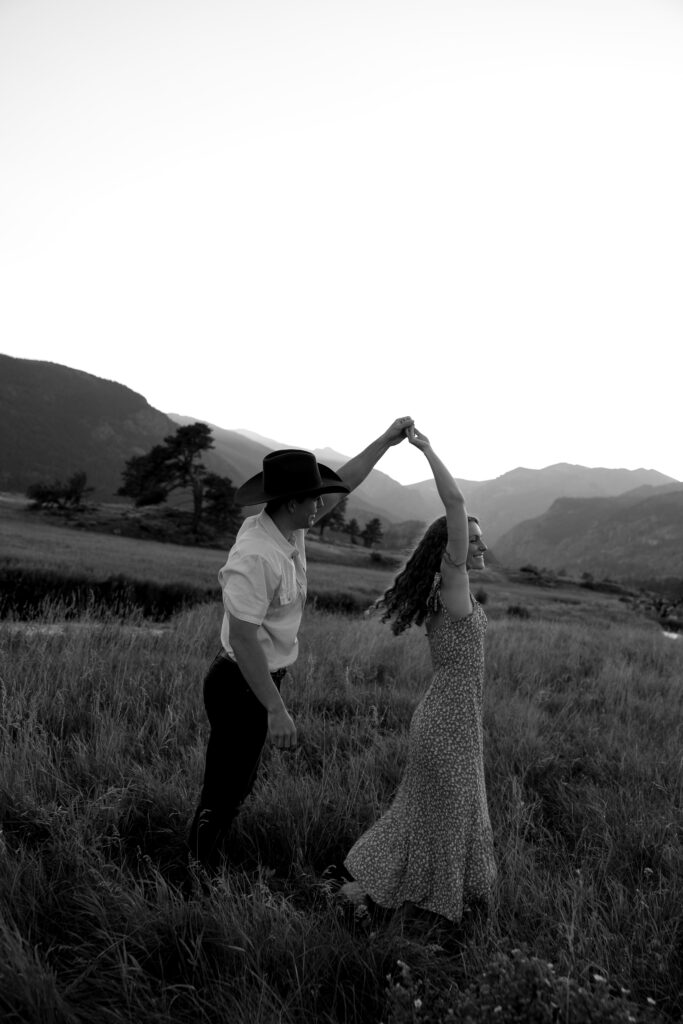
(417, 438)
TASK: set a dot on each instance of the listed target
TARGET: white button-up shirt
(264, 582)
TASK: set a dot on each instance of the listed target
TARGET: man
(264, 590)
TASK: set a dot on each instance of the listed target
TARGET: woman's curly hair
(406, 599)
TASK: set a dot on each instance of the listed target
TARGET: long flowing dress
(434, 847)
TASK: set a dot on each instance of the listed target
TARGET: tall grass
(101, 918)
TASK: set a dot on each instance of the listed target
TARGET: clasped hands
(404, 427)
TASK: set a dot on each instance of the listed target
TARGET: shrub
(24, 592)
(518, 611)
(60, 495)
(379, 559)
(340, 602)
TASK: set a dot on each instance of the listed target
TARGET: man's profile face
(306, 511)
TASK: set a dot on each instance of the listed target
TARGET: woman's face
(476, 549)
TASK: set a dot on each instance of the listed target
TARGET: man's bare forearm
(356, 469)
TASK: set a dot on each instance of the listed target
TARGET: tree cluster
(176, 464)
(60, 495)
(336, 520)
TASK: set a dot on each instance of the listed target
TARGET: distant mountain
(523, 494)
(56, 421)
(241, 456)
(500, 504)
(432, 503)
(637, 535)
(379, 495)
(265, 442)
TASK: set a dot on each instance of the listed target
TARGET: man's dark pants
(239, 726)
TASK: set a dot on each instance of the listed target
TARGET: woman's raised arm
(455, 588)
(451, 496)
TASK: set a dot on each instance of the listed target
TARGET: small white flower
(651, 1001)
(417, 1004)
(599, 977)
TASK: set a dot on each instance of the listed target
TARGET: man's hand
(397, 432)
(281, 729)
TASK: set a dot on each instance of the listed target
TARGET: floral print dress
(433, 847)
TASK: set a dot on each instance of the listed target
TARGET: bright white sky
(306, 217)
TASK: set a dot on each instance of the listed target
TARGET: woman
(433, 848)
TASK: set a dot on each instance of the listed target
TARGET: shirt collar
(271, 529)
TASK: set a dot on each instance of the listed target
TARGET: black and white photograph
(341, 511)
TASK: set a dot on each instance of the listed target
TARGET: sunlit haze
(308, 218)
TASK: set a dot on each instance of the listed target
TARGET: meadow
(42, 557)
(103, 732)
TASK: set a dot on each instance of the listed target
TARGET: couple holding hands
(432, 850)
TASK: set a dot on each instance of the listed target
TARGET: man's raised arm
(356, 469)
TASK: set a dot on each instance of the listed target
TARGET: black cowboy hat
(288, 473)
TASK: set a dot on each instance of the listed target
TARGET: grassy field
(103, 735)
(39, 545)
(36, 544)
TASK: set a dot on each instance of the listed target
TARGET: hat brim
(252, 493)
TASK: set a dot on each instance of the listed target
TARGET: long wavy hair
(405, 602)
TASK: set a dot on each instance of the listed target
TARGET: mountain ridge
(56, 420)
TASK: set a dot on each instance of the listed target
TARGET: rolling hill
(56, 421)
(637, 535)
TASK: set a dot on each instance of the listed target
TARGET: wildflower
(417, 1003)
(651, 1001)
(405, 972)
(599, 977)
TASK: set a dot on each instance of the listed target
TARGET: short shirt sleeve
(248, 582)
